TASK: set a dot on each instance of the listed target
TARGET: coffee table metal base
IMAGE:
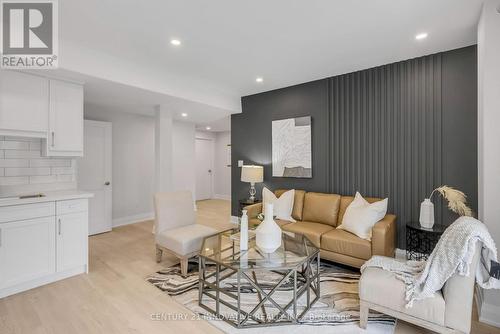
(211, 282)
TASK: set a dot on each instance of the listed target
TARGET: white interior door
(204, 168)
(94, 174)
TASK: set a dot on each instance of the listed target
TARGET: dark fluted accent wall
(385, 135)
(393, 131)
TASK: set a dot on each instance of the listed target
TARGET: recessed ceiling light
(208, 128)
(259, 79)
(421, 36)
(184, 114)
(175, 42)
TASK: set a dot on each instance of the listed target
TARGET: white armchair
(176, 230)
(448, 311)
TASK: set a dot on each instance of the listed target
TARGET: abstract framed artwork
(291, 147)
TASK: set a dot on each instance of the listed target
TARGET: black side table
(420, 241)
(245, 202)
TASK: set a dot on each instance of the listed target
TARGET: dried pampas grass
(456, 200)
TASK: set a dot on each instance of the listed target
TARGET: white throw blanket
(452, 254)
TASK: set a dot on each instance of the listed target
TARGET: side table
(245, 202)
(420, 241)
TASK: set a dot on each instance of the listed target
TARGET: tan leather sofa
(318, 215)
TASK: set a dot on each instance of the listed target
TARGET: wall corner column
(163, 149)
(489, 139)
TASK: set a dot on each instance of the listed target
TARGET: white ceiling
(219, 125)
(126, 98)
(226, 44)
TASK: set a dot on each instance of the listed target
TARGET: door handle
(59, 225)
(210, 171)
(53, 141)
(107, 183)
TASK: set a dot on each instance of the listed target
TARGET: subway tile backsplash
(23, 168)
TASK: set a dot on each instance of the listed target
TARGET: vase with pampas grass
(456, 203)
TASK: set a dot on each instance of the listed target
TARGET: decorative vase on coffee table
(268, 234)
(244, 231)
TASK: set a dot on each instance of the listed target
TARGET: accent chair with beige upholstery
(448, 311)
(176, 230)
(317, 216)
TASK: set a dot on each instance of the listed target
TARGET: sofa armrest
(384, 236)
(253, 210)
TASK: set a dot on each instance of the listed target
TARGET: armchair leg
(184, 266)
(363, 314)
(159, 253)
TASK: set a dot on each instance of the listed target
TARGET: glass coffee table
(252, 288)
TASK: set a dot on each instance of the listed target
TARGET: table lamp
(252, 174)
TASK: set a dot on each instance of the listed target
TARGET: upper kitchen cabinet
(34, 106)
(24, 105)
(65, 134)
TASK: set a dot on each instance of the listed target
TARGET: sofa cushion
(253, 222)
(281, 206)
(321, 208)
(298, 202)
(184, 240)
(381, 287)
(312, 231)
(346, 200)
(360, 216)
(343, 242)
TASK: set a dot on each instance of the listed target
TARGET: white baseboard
(133, 219)
(224, 197)
(489, 315)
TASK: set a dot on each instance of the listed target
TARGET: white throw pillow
(283, 205)
(360, 216)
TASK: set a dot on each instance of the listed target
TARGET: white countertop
(50, 196)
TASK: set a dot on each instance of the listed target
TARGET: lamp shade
(252, 174)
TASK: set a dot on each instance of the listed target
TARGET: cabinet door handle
(59, 225)
(53, 135)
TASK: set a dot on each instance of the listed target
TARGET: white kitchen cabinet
(27, 250)
(72, 234)
(65, 135)
(34, 106)
(42, 242)
(24, 104)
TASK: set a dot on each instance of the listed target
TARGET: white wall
(133, 163)
(489, 138)
(222, 182)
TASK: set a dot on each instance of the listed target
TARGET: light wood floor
(114, 297)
